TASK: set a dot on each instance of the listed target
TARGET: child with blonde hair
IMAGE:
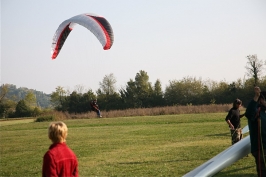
(59, 160)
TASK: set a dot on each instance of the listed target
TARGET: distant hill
(16, 94)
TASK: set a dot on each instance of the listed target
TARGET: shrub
(53, 116)
(60, 116)
(45, 119)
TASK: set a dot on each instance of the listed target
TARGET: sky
(168, 39)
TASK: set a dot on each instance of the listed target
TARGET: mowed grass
(128, 146)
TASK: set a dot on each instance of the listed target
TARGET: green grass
(15, 121)
(129, 146)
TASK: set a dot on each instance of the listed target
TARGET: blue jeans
(98, 112)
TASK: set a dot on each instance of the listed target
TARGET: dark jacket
(253, 113)
(94, 106)
(234, 117)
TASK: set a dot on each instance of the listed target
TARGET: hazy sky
(169, 39)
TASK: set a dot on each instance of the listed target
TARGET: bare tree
(79, 89)
(108, 84)
(254, 67)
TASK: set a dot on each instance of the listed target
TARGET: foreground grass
(130, 146)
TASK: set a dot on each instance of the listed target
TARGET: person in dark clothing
(233, 120)
(95, 107)
(256, 115)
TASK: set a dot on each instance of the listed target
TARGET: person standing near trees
(233, 120)
(95, 107)
(59, 160)
(256, 115)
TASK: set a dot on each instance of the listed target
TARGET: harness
(93, 106)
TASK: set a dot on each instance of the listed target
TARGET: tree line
(141, 93)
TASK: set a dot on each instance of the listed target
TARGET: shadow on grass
(149, 162)
(220, 134)
(227, 173)
(220, 174)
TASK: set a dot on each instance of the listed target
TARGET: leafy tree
(2, 110)
(3, 91)
(157, 96)
(129, 95)
(7, 108)
(110, 102)
(75, 102)
(73, 106)
(137, 93)
(221, 93)
(22, 110)
(207, 97)
(59, 99)
(187, 91)
(143, 88)
(36, 111)
(30, 99)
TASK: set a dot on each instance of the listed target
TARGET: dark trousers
(260, 163)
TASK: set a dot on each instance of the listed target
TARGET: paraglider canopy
(98, 25)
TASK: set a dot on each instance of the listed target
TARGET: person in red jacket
(59, 160)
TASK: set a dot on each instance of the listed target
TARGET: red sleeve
(49, 167)
(76, 172)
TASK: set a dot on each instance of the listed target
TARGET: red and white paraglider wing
(98, 25)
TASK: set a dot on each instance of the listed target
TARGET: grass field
(129, 146)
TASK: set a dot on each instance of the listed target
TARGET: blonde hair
(57, 132)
